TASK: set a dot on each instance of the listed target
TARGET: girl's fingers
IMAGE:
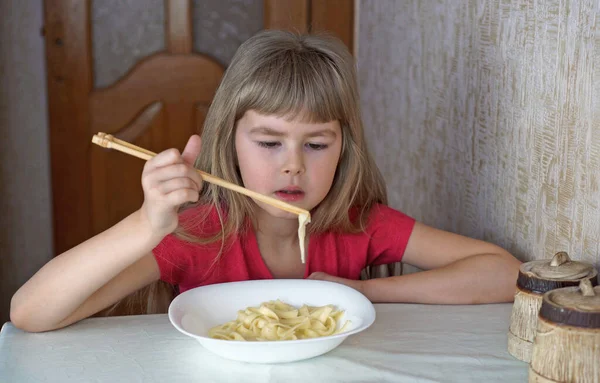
(192, 149)
(165, 158)
(181, 196)
(154, 178)
(173, 184)
(172, 156)
(196, 177)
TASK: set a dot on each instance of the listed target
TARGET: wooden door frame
(69, 69)
(69, 84)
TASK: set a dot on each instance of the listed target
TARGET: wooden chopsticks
(108, 141)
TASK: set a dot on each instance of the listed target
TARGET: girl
(284, 122)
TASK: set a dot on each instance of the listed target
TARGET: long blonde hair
(311, 77)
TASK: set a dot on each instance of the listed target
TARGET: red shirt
(188, 265)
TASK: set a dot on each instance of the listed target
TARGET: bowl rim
(344, 334)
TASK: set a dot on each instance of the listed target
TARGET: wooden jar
(567, 341)
(535, 279)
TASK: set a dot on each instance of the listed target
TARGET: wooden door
(158, 104)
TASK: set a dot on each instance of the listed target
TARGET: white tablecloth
(407, 343)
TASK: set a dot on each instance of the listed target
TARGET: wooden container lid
(573, 306)
(545, 275)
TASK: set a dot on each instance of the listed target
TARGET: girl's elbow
(509, 280)
(22, 323)
(509, 263)
(513, 265)
(18, 317)
(24, 319)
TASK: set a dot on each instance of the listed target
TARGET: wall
(485, 117)
(25, 219)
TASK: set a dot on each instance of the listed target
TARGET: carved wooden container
(567, 341)
(535, 279)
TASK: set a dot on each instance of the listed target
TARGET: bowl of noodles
(271, 321)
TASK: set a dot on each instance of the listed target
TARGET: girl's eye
(268, 144)
(317, 146)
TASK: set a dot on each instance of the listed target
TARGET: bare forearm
(65, 282)
(472, 280)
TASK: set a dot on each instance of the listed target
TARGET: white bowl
(197, 310)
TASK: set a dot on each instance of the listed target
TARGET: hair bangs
(295, 84)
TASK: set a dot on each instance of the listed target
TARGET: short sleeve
(176, 257)
(389, 232)
(173, 257)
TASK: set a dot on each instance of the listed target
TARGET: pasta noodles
(303, 220)
(276, 320)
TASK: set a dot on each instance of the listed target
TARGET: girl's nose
(294, 164)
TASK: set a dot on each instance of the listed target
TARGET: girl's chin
(278, 213)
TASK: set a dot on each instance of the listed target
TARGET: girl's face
(289, 160)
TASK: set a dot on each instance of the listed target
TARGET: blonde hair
(307, 77)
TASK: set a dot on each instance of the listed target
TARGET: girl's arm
(115, 263)
(458, 270)
(87, 278)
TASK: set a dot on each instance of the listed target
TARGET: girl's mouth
(290, 195)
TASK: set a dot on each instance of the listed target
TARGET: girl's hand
(319, 275)
(170, 180)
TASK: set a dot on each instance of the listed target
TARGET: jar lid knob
(560, 258)
(586, 288)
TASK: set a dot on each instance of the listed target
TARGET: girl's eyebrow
(272, 132)
(267, 131)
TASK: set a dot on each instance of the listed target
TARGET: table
(407, 343)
